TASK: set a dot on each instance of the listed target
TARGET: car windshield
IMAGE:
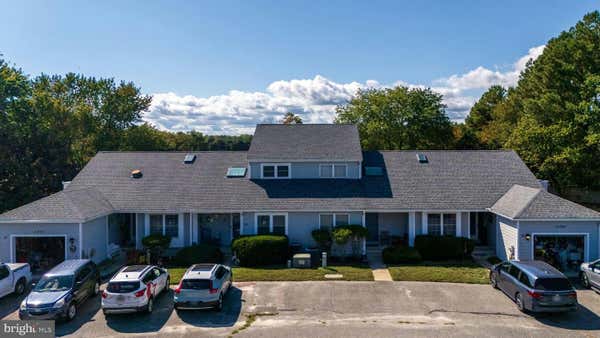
(196, 284)
(54, 283)
(553, 284)
(122, 287)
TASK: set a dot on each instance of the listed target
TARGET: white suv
(203, 286)
(134, 289)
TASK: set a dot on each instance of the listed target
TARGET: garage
(41, 252)
(565, 252)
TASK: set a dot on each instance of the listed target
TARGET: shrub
(323, 239)
(341, 236)
(493, 260)
(401, 254)
(443, 247)
(156, 244)
(199, 253)
(261, 249)
(350, 233)
(156, 241)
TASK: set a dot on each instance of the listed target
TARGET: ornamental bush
(199, 253)
(323, 239)
(261, 250)
(400, 254)
(444, 247)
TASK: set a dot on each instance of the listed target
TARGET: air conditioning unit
(301, 260)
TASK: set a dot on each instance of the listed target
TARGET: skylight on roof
(236, 172)
(422, 158)
(373, 171)
(189, 159)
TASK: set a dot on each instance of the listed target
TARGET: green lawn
(281, 273)
(454, 272)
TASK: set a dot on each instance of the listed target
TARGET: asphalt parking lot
(340, 309)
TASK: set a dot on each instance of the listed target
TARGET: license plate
(120, 299)
(556, 298)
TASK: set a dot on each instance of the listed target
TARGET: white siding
(507, 246)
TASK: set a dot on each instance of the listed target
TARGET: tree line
(551, 118)
(50, 126)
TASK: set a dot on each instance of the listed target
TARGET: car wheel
(96, 289)
(585, 281)
(150, 305)
(519, 302)
(71, 311)
(219, 306)
(493, 280)
(20, 287)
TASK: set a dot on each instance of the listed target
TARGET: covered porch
(401, 228)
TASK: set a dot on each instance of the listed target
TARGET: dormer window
(333, 171)
(275, 170)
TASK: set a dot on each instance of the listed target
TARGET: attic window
(373, 171)
(136, 173)
(236, 172)
(422, 158)
(189, 159)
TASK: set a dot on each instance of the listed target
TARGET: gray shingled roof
(452, 180)
(78, 205)
(320, 142)
(535, 203)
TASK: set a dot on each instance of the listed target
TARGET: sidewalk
(380, 271)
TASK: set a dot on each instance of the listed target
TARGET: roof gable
(527, 203)
(305, 142)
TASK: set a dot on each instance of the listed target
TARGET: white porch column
(241, 223)
(146, 225)
(364, 242)
(424, 223)
(458, 224)
(411, 228)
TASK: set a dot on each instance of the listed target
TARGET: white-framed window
(333, 170)
(271, 224)
(328, 221)
(441, 224)
(275, 170)
(164, 224)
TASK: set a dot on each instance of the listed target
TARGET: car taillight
(140, 293)
(535, 295)
(104, 294)
(211, 289)
(573, 295)
(178, 289)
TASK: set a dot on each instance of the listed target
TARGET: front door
(372, 220)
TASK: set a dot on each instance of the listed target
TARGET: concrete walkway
(380, 271)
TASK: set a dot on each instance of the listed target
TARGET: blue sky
(222, 66)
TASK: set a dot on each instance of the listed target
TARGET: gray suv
(590, 274)
(61, 290)
(203, 286)
(534, 286)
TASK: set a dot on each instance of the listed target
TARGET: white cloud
(481, 77)
(313, 99)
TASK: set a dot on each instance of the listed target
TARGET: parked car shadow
(10, 303)
(144, 322)
(582, 319)
(232, 307)
(85, 313)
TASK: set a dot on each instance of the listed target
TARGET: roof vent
(422, 158)
(189, 159)
(136, 173)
